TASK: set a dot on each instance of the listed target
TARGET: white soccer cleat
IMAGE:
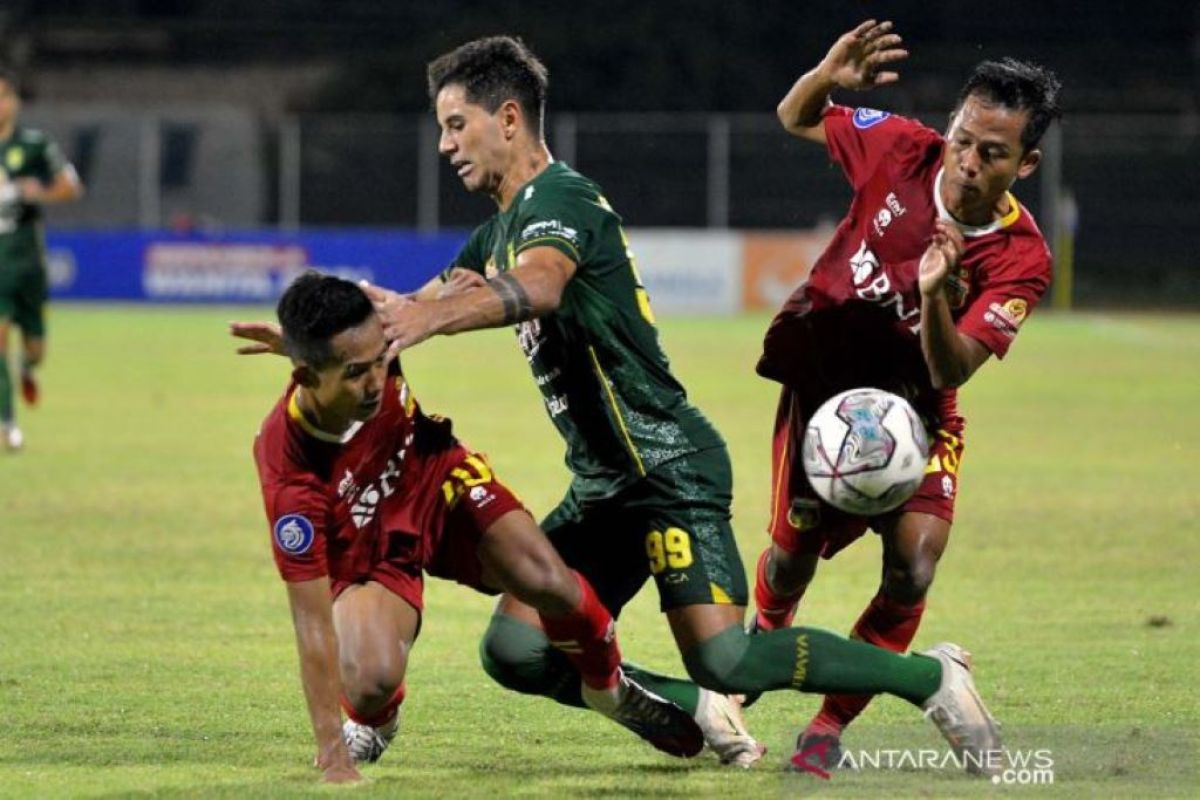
(720, 718)
(366, 744)
(959, 712)
(14, 440)
(660, 722)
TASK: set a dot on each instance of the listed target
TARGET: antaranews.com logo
(1006, 767)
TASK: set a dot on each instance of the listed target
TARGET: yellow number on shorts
(671, 548)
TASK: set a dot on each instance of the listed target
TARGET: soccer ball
(865, 451)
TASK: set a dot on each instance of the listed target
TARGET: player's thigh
(802, 525)
(603, 544)
(519, 559)
(687, 538)
(376, 629)
(29, 304)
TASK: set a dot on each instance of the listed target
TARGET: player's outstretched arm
(858, 60)
(316, 641)
(458, 281)
(530, 289)
(267, 337)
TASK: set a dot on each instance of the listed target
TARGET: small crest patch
(868, 117)
(294, 534)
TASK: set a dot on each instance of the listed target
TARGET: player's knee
(789, 573)
(543, 583)
(716, 663)
(908, 583)
(370, 689)
(517, 656)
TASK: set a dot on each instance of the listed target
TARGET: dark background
(1130, 138)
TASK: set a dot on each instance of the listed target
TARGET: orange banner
(774, 264)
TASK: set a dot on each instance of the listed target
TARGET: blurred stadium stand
(307, 113)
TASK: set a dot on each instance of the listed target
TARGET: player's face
(10, 104)
(475, 141)
(351, 387)
(983, 157)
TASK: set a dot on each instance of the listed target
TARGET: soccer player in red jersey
(364, 493)
(931, 272)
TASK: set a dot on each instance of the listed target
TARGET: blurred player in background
(33, 173)
(932, 271)
(652, 484)
(364, 493)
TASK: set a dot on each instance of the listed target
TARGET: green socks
(6, 391)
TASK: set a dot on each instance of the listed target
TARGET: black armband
(517, 306)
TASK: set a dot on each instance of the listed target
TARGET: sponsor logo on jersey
(873, 284)
(893, 209)
(1007, 318)
(1017, 309)
(480, 496)
(947, 486)
(529, 192)
(14, 159)
(550, 227)
(294, 534)
(868, 117)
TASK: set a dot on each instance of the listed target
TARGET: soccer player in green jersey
(33, 173)
(652, 483)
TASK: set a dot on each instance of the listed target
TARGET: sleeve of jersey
(859, 138)
(1003, 305)
(297, 515)
(56, 162)
(472, 255)
(563, 222)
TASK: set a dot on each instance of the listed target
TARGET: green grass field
(146, 648)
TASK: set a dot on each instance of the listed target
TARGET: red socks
(379, 719)
(774, 610)
(887, 624)
(587, 636)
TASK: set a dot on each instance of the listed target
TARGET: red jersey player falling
(931, 272)
(363, 494)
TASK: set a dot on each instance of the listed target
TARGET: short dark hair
(1020, 86)
(492, 70)
(313, 310)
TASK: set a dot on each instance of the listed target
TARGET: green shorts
(674, 525)
(23, 295)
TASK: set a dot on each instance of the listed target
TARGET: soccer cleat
(816, 751)
(959, 712)
(14, 440)
(720, 718)
(660, 722)
(366, 744)
(29, 388)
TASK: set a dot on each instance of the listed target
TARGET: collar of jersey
(312, 430)
(975, 230)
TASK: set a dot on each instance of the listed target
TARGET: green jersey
(26, 154)
(605, 380)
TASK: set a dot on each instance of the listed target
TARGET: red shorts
(803, 523)
(437, 530)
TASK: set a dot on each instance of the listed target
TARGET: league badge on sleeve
(869, 117)
(294, 534)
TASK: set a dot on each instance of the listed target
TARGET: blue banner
(238, 266)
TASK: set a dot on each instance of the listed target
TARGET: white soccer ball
(865, 451)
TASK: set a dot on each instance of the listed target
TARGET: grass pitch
(146, 649)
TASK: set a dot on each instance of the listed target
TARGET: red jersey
(337, 506)
(856, 319)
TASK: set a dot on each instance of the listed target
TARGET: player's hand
(460, 281)
(859, 59)
(267, 337)
(336, 766)
(406, 322)
(30, 190)
(940, 258)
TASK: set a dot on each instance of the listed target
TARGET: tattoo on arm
(517, 306)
